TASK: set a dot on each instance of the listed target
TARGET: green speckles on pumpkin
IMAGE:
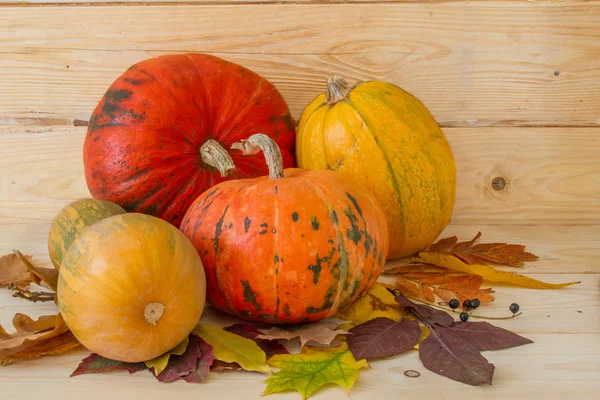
(295, 216)
(247, 222)
(354, 233)
(250, 295)
(316, 270)
(276, 259)
(286, 310)
(263, 229)
(327, 303)
(314, 221)
(219, 229)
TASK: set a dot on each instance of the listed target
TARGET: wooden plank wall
(514, 84)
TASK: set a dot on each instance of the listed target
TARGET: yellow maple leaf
(488, 273)
(377, 302)
(230, 347)
(160, 363)
(310, 370)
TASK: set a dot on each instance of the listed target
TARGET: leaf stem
(457, 312)
(31, 296)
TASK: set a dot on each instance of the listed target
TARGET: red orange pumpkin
(297, 246)
(160, 135)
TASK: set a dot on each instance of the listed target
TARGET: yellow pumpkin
(387, 140)
(131, 287)
(74, 218)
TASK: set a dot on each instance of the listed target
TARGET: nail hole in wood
(556, 73)
(498, 183)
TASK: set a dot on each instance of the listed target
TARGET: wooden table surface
(514, 84)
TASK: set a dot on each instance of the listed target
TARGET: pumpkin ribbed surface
(384, 138)
(131, 287)
(289, 250)
(74, 218)
(144, 147)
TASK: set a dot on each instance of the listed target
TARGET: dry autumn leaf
(14, 271)
(500, 253)
(377, 302)
(30, 331)
(383, 337)
(42, 276)
(318, 332)
(233, 348)
(159, 363)
(52, 346)
(309, 371)
(488, 273)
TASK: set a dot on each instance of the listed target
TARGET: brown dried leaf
(407, 268)
(488, 273)
(49, 276)
(318, 332)
(444, 244)
(470, 258)
(485, 247)
(30, 331)
(463, 246)
(51, 346)
(13, 270)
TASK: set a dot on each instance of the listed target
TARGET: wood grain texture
(472, 63)
(564, 356)
(552, 194)
(552, 174)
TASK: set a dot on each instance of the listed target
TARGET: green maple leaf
(308, 371)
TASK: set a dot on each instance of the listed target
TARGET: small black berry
(475, 303)
(514, 308)
(454, 303)
(467, 304)
(464, 317)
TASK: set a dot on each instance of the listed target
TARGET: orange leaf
(13, 270)
(485, 247)
(469, 258)
(428, 293)
(444, 244)
(488, 273)
(408, 288)
(422, 275)
(401, 269)
(55, 345)
(465, 282)
(445, 294)
(463, 246)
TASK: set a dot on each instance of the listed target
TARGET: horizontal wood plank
(565, 340)
(552, 178)
(472, 63)
(551, 175)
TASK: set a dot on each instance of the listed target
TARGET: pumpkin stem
(337, 89)
(153, 312)
(257, 142)
(213, 154)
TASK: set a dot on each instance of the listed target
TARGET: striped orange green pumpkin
(297, 246)
(385, 139)
(74, 218)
